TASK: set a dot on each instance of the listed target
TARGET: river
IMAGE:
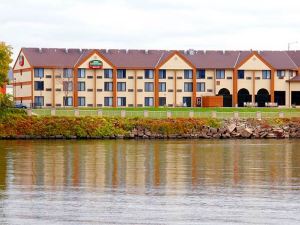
(150, 182)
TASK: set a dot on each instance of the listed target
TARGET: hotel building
(52, 77)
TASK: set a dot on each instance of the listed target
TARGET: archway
(227, 97)
(243, 96)
(262, 97)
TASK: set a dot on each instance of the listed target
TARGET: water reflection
(150, 182)
(148, 164)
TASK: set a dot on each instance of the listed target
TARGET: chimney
(40, 50)
(146, 51)
(66, 50)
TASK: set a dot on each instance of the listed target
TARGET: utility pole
(291, 43)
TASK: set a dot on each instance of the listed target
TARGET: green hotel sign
(95, 64)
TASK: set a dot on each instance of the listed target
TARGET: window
(108, 73)
(39, 72)
(149, 101)
(220, 74)
(108, 101)
(200, 74)
(108, 86)
(162, 86)
(280, 74)
(39, 85)
(162, 74)
(121, 86)
(241, 74)
(81, 86)
(68, 73)
(81, 73)
(201, 86)
(188, 86)
(39, 101)
(121, 101)
(121, 74)
(266, 74)
(149, 86)
(81, 101)
(68, 101)
(162, 101)
(149, 74)
(188, 74)
(68, 86)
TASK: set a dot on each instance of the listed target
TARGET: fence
(161, 114)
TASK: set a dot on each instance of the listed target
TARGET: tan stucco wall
(26, 63)
(175, 62)
(254, 63)
(225, 83)
(95, 57)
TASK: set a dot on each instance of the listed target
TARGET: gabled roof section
(278, 59)
(170, 54)
(212, 59)
(246, 57)
(52, 57)
(295, 56)
(21, 51)
(89, 53)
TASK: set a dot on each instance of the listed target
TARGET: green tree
(5, 60)
(5, 101)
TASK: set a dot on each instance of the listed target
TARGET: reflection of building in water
(3, 170)
(176, 165)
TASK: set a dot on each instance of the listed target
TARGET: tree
(5, 60)
(6, 101)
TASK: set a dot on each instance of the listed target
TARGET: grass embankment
(187, 109)
(22, 126)
(81, 127)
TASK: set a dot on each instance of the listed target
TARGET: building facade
(145, 78)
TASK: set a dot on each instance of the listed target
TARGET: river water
(150, 182)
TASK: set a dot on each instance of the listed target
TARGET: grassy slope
(198, 109)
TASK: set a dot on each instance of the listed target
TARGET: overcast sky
(155, 24)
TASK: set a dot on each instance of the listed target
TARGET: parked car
(20, 106)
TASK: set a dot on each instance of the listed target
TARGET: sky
(151, 24)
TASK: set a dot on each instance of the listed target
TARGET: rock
(231, 127)
(271, 135)
(246, 133)
(120, 136)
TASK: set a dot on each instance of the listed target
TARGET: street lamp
(291, 43)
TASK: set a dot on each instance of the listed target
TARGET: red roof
(121, 58)
(295, 56)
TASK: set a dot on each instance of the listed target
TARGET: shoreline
(22, 127)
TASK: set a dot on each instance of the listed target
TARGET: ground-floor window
(39, 101)
(279, 97)
(187, 101)
(81, 101)
(108, 101)
(162, 101)
(149, 101)
(295, 97)
(121, 101)
(68, 101)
